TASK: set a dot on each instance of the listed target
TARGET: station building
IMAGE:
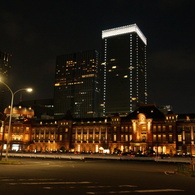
(145, 131)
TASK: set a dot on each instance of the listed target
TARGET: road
(49, 176)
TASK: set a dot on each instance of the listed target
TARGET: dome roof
(19, 110)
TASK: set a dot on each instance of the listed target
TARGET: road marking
(111, 192)
(47, 188)
(119, 192)
(120, 186)
(7, 180)
(99, 186)
(10, 179)
(127, 186)
(51, 183)
(159, 190)
(137, 191)
(170, 172)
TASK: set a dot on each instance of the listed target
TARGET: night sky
(35, 32)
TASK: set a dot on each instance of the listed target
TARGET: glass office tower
(76, 84)
(124, 84)
(4, 72)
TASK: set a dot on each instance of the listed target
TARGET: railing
(70, 156)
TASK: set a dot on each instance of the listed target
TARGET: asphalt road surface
(43, 176)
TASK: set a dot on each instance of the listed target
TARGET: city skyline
(35, 33)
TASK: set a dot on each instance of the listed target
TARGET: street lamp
(11, 110)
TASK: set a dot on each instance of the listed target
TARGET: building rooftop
(124, 30)
(150, 111)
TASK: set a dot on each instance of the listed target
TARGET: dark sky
(35, 32)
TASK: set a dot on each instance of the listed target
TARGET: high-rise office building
(76, 84)
(4, 71)
(124, 83)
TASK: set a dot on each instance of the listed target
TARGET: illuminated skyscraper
(124, 83)
(4, 71)
(76, 84)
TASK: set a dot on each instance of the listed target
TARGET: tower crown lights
(124, 30)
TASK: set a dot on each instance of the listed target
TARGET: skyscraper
(4, 71)
(76, 84)
(124, 83)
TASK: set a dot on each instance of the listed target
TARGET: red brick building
(146, 130)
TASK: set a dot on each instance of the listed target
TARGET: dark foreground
(43, 176)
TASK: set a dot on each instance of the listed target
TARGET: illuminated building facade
(124, 72)
(76, 84)
(4, 71)
(186, 133)
(145, 131)
(21, 128)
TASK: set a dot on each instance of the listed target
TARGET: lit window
(112, 60)
(130, 137)
(126, 138)
(179, 138)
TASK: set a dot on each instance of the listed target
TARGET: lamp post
(2, 133)
(11, 110)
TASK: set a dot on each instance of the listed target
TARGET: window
(130, 137)
(159, 128)
(103, 136)
(114, 137)
(90, 137)
(114, 128)
(170, 138)
(164, 137)
(164, 128)
(85, 137)
(130, 128)
(170, 127)
(122, 129)
(26, 137)
(188, 137)
(126, 129)
(96, 137)
(154, 128)
(126, 138)
(154, 138)
(179, 138)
